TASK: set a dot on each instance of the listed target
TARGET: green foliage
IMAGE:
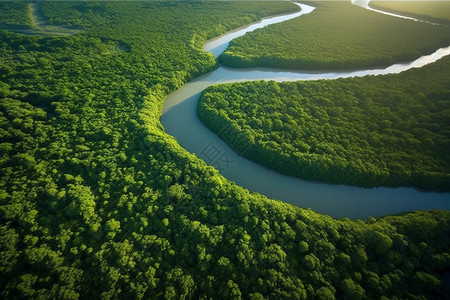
(96, 201)
(336, 35)
(388, 130)
(434, 11)
(13, 13)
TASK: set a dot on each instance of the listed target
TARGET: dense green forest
(434, 11)
(336, 35)
(96, 201)
(390, 130)
(14, 13)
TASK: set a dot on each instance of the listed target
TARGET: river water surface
(180, 120)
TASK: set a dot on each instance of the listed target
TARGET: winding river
(180, 120)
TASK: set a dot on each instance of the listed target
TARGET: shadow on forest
(39, 25)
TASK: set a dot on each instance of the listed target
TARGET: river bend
(180, 120)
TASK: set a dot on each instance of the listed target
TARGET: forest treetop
(96, 201)
(336, 35)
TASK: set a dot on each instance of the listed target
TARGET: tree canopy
(389, 130)
(336, 35)
(97, 201)
(432, 11)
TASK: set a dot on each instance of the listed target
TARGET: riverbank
(180, 120)
(373, 131)
(436, 12)
(351, 37)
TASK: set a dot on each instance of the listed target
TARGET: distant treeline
(388, 130)
(336, 35)
(432, 11)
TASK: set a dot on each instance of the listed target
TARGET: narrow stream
(180, 120)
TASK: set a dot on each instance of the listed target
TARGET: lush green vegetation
(337, 35)
(14, 13)
(385, 130)
(435, 11)
(96, 201)
(28, 18)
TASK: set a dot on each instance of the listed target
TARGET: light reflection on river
(180, 120)
(365, 4)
